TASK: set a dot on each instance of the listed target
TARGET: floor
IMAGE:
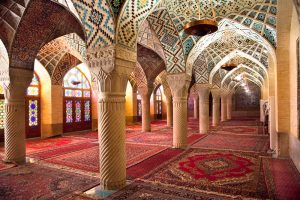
(230, 162)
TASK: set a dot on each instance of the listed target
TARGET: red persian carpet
(32, 181)
(149, 164)
(220, 172)
(88, 159)
(34, 146)
(283, 178)
(63, 150)
(239, 130)
(246, 143)
(142, 190)
(4, 165)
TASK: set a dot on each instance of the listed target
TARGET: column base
(19, 161)
(112, 185)
(180, 146)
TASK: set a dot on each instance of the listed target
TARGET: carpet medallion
(147, 191)
(228, 173)
(32, 181)
(247, 143)
(88, 159)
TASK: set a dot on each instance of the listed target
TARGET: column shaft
(111, 131)
(169, 112)
(224, 108)
(180, 122)
(229, 107)
(204, 110)
(146, 120)
(14, 132)
(216, 111)
(196, 108)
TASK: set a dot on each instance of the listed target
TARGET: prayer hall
(149, 99)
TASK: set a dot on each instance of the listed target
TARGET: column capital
(216, 93)
(145, 90)
(179, 84)
(111, 67)
(15, 89)
(202, 89)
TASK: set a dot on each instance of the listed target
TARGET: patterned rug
(230, 173)
(247, 143)
(283, 178)
(141, 190)
(32, 181)
(160, 138)
(149, 164)
(241, 123)
(88, 159)
(63, 150)
(4, 165)
(238, 130)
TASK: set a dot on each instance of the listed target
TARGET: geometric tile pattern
(97, 20)
(200, 70)
(130, 19)
(258, 15)
(116, 6)
(139, 76)
(51, 54)
(168, 36)
(162, 80)
(151, 63)
(257, 46)
(65, 64)
(148, 38)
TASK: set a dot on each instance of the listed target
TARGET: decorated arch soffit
(257, 15)
(151, 63)
(241, 38)
(42, 22)
(162, 80)
(247, 77)
(148, 38)
(165, 30)
(243, 69)
(98, 20)
(246, 59)
(139, 76)
(53, 52)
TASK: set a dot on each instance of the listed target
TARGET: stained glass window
(78, 111)
(75, 79)
(33, 89)
(1, 113)
(69, 112)
(33, 112)
(87, 111)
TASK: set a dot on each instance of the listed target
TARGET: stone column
(224, 107)
(203, 92)
(169, 110)
(179, 84)
(146, 118)
(111, 67)
(14, 130)
(216, 107)
(196, 107)
(229, 106)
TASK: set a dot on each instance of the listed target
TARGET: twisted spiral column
(229, 107)
(204, 110)
(223, 108)
(14, 131)
(169, 112)
(146, 120)
(180, 122)
(111, 131)
(216, 110)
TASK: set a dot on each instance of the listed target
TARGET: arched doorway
(32, 109)
(139, 106)
(77, 101)
(158, 103)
